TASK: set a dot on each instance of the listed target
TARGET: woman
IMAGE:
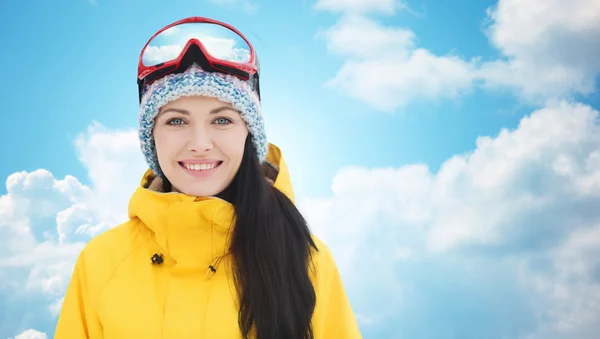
(214, 246)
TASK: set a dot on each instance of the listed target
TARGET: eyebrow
(212, 111)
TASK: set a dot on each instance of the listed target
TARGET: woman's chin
(204, 189)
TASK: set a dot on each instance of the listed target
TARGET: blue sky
(463, 137)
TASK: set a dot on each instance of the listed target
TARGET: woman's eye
(222, 121)
(175, 121)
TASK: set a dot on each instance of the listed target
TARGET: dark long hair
(271, 248)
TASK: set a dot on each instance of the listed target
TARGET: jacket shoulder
(324, 265)
(105, 252)
(322, 254)
(116, 243)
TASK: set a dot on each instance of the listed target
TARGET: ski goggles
(213, 45)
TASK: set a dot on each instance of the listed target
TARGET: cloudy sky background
(454, 170)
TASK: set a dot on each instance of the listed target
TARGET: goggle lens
(219, 41)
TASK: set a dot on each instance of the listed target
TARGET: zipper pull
(212, 268)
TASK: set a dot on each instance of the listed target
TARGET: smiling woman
(214, 246)
(184, 128)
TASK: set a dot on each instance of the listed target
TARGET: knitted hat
(195, 81)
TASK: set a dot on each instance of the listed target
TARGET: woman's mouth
(205, 166)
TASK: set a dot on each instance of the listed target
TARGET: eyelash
(228, 121)
(170, 121)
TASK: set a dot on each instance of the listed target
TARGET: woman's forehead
(195, 105)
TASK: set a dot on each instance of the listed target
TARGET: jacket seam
(112, 274)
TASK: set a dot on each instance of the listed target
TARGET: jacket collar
(192, 231)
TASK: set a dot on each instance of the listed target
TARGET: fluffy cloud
(45, 222)
(385, 70)
(571, 286)
(114, 163)
(360, 37)
(31, 334)
(551, 162)
(548, 49)
(490, 196)
(512, 225)
(358, 6)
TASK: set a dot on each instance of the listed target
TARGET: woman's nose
(200, 140)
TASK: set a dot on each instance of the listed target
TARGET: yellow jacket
(117, 292)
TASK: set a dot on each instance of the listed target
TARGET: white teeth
(200, 167)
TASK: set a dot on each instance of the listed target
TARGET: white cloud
(356, 36)
(385, 70)
(222, 47)
(549, 49)
(169, 44)
(487, 196)
(31, 334)
(115, 164)
(31, 204)
(55, 307)
(486, 218)
(506, 181)
(51, 279)
(156, 54)
(572, 286)
(45, 221)
(359, 6)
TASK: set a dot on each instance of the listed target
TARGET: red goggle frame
(213, 45)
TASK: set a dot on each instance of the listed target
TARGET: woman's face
(200, 143)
